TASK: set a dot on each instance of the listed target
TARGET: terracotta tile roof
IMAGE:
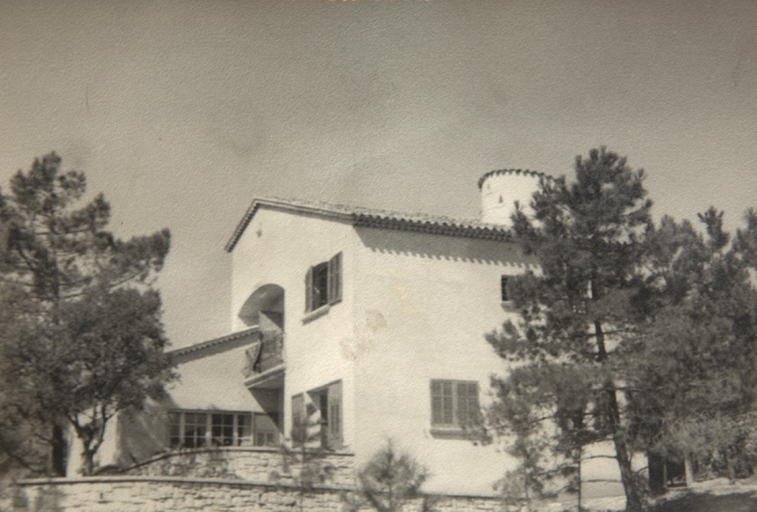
(375, 218)
(184, 354)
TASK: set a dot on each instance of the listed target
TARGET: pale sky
(183, 111)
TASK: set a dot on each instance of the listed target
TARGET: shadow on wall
(451, 248)
(141, 434)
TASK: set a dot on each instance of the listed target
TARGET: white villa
(373, 321)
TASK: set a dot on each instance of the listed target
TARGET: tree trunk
(89, 462)
(622, 454)
(59, 450)
(633, 496)
(729, 466)
(688, 465)
(580, 458)
(657, 481)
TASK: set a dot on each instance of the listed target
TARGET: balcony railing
(271, 353)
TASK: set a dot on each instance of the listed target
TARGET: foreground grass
(712, 496)
(741, 502)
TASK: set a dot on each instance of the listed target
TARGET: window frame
(326, 404)
(323, 284)
(449, 402)
(243, 431)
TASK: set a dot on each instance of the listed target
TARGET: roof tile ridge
(213, 342)
(363, 215)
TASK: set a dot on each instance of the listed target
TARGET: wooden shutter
(299, 420)
(335, 435)
(467, 403)
(436, 402)
(442, 402)
(309, 290)
(335, 279)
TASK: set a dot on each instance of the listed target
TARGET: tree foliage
(389, 480)
(577, 312)
(306, 460)
(693, 373)
(639, 334)
(84, 338)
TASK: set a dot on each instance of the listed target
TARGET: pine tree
(640, 334)
(693, 376)
(390, 480)
(577, 312)
(84, 339)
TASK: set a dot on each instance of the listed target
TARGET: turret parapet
(524, 172)
(501, 189)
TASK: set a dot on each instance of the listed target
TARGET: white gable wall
(423, 303)
(279, 247)
(414, 307)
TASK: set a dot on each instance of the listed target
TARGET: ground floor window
(317, 416)
(199, 429)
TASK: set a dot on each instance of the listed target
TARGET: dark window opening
(323, 284)
(503, 289)
(320, 285)
(320, 420)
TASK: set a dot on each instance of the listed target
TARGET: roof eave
(283, 206)
(182, 354)
(360, 219)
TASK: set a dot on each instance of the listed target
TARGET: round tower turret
(502, 188)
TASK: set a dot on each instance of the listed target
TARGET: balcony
(271, 353)
(267, 370)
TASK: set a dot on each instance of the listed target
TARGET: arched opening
(265, 307)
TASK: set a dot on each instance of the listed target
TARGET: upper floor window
(454, 404)
(323, 284)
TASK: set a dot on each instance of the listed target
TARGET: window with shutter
(454, 404)
(309, 290)
(299, 420)
(442, 402)
(323, 284)
(335, 279)
(467, 403)
(334, 399)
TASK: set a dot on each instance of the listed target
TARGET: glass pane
(174, 429)
(195, 426)
(223, 429)
(320, 285)
(244, 429)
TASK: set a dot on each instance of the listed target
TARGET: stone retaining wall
(169, 494)
(218, 479)
(249, 464)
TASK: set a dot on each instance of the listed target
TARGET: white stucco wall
(279, 247)
(214, 382)
(500, 191)
(422, 307)
(414, 307)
